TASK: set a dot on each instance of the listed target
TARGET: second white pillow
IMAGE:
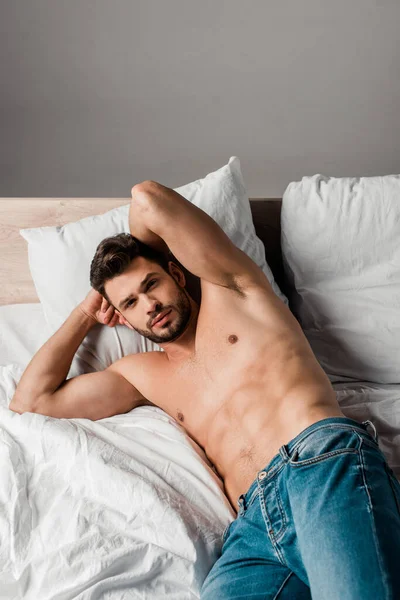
(341, 252)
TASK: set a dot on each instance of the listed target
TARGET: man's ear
(177, 273)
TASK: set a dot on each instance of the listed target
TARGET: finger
(113, 321)
(109, 312)
(107, 316)
(104, 304)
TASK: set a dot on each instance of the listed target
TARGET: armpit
(146, 402)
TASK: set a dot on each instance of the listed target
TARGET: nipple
(233, 339)
(180, 416)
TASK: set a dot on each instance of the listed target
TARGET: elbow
(141, 192)
(15, 407)
(21, 404)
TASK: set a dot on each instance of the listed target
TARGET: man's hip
(322, 517)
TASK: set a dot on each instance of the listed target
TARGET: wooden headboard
(16, 285)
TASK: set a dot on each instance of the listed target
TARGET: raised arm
(162, 218)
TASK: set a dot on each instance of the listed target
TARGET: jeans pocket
(324, 443)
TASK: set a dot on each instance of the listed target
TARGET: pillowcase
(23, 330)
(60, 257)
(341, 254)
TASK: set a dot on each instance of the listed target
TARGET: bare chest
(236, 340)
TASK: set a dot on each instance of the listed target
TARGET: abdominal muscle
(242, 443)
(256, 415)
(253, 385)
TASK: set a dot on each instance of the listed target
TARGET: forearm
(51, 364)
(139, 214)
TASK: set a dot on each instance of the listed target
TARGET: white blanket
(124, 507)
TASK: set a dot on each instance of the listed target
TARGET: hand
(101, 311)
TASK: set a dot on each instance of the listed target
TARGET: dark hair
(114, 255)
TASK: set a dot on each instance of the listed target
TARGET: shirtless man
(239, 375)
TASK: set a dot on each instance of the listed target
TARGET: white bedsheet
(124, 507)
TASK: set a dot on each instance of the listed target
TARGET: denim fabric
(320, 521)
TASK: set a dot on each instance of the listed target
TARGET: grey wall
(97, 95)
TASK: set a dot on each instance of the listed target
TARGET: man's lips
(161, 316)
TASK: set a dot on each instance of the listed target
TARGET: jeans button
(262, 475)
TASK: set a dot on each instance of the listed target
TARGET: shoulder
(131, 365)
(140, 370)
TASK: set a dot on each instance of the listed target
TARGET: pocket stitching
(357, 430)
(266, 517)
(322, 457)
(284, 522)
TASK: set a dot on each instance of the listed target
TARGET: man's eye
(130, 302)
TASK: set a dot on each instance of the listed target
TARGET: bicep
(91, 396)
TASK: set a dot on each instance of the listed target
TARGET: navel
(180, 416)
(233, 339)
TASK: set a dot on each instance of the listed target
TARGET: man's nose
(153, 306)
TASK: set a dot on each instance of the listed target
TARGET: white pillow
(60, 257)
(341, 253)
(23, 330)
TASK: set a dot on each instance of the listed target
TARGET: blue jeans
(320, 521)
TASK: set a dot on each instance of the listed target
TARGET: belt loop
(283, 451)
(373, 427)
(241, 504)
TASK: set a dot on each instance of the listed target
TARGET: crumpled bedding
(120, 508)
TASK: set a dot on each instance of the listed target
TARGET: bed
(130, 506)
(70, 526)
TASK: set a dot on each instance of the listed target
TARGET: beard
(176, 322)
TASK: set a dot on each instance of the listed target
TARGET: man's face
(141, 304)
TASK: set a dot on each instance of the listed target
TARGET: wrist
(87, 319)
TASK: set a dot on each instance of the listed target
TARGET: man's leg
(249, 580)
(248, 567)
(345, 505)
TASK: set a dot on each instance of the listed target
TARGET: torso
(252, 386)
